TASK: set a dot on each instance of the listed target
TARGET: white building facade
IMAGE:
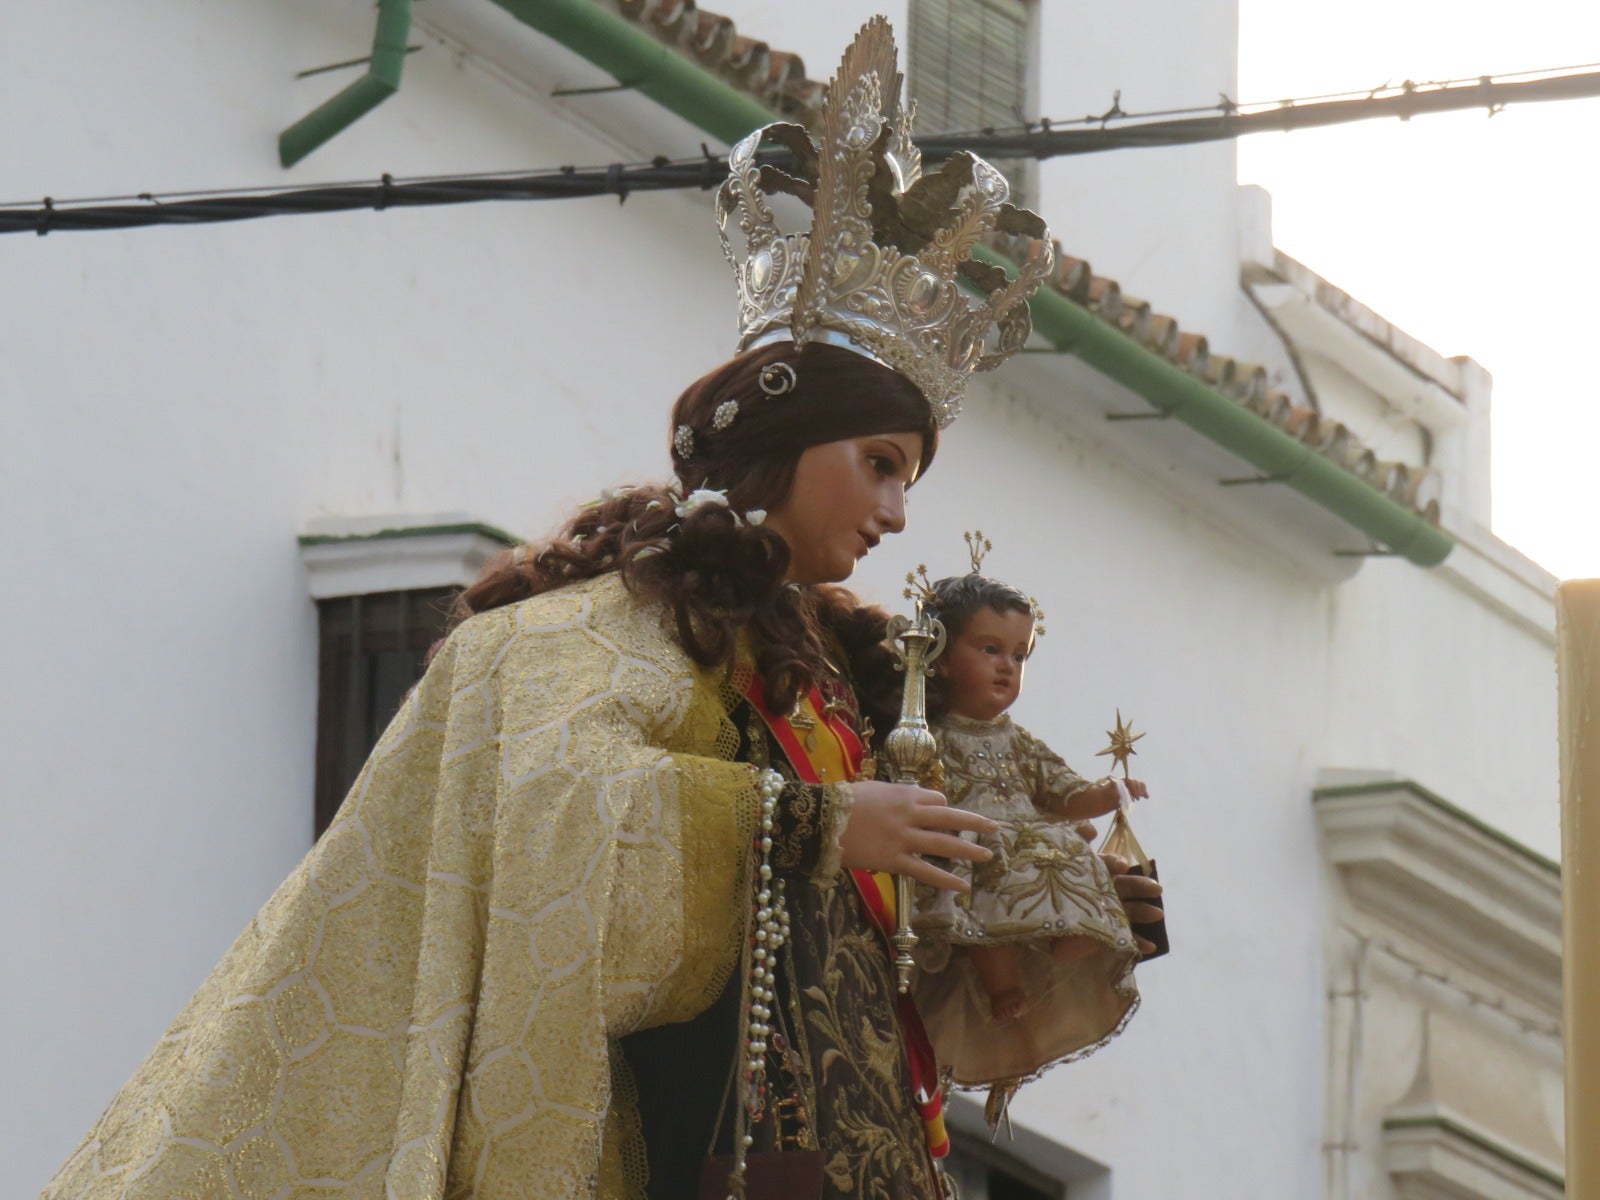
(205, 431)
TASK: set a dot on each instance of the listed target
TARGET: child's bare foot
(1069, 949)
(1001, 977)
(1007, 1005)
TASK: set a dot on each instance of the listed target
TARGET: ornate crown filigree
(920, 588)
(882, 268)
(978, 547)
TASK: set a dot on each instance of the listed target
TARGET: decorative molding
(1500, 577)
(357, 556)
(1441, 876)
(1435, 1157)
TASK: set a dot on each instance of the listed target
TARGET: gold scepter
(1120, 840)
(910, 749)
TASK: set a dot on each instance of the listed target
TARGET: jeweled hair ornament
(777, 379)
(882, 268)
(683, 442)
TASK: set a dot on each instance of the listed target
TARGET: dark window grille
(372, 650)
(968, 65)
(986, 1172)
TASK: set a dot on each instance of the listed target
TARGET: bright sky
(1476, 235)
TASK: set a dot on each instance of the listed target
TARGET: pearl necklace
(771, 934)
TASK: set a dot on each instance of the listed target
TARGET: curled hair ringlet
(715, 574)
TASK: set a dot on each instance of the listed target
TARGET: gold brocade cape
(426, 1009)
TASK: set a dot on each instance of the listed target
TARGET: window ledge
(1437, 1158)
(1429, 870)
(357, 556)
(1039, 1155)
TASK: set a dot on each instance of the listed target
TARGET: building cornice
(1441, 876)
(1436, 1157)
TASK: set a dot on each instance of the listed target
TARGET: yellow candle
(1578, 668)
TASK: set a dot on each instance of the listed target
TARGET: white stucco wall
(1429, 683)
(175, 405)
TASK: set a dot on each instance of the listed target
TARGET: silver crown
(882, 268)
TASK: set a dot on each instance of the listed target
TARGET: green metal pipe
(639, 61)
(381, 81)
(1283, 458)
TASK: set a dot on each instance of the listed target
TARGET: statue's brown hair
(714, 575)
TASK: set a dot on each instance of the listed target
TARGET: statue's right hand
(892, 825)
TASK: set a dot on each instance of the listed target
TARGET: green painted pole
(639, 61)
(380, 82)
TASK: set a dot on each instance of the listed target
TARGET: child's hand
(892, 825)
(1101, 798)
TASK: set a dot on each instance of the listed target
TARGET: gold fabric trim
(624, 1162)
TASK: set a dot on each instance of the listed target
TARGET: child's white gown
(1044, 883)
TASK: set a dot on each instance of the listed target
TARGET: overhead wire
(616, 179)
(1047, 138)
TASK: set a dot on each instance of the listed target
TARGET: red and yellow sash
(826, 749)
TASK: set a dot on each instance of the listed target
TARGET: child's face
(983, 665)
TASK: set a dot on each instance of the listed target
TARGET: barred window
(983, 1171)
(383, 587)
(969, 69)
(372, 649)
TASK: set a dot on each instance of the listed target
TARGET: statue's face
(983, 664)
(847, 496)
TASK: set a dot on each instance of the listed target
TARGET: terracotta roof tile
(1072, 278)
(1104, 298)
(1162, 336)
(778, 80)
(1303, 423)
(1192, 352)
(715, 40)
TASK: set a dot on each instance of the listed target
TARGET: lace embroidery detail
(838, 798)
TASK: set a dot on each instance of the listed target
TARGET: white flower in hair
(699, 498)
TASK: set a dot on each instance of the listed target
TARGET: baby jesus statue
(1034, 965)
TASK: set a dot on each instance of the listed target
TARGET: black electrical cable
(1230, 121)
(618, 179)
(1109, 131)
